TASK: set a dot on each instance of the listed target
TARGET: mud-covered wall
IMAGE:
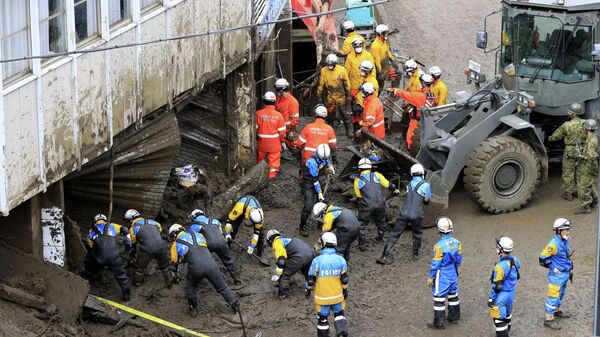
(67, 115)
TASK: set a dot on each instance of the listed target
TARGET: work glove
(430, 282)
(331, 170)
(307, 293)
(228, 237)
(358, 133)
(320, 196)
(250, 250)
(556, 271)
(397, 192)
(284, 147)
(345, 292)
(235, 306)
(275, 279)
(490, 303)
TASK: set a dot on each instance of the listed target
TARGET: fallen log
(21, 297)
(101, 312)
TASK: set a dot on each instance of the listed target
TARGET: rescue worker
(443, 275)
(504, 281)
(315, 133)
(292, 255)
(417, 100)
(190, 247)
(329, 278)
(369, 76)
(557, 258)
(247, 207)
(418, 192)
(211, 229)
(316, 170)
(574, 136)
(270, 134)
(438, 88)
(413, 72)
(353, 61)
(342, 222)
(373, 118)
(350, 37)
(287, 105)
(104, 251)
(334, 90)
(148, 243)
(368, 187)
(380, 49)
(587, 169)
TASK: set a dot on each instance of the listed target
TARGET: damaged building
(101, 132)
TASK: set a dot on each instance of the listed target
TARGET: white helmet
(195, 213)
(321, 111)
(357, 42)
(256, 215)
(435, 71)
(318, 209)
(348, 25)
(99, 217)
(331, 60)
(328, 239)
(271, 235)
(417, 170)
(426, 79)
(282, 84)
(562, 223)
(367, 89)
(366, 66)
(444, 225)
(323, 151)
(504, 244)
(410, 66)
(269, 97)
(175, 228)
(382, 29)
(131, 214)
(365, 164)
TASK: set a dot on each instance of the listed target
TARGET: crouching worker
(104, 251)
(342, 221)
(329, 279)
(247, 207)
(190, 247)
(292, 255)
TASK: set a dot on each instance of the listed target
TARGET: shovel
(258, 258)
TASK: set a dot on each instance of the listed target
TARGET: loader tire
(502, 174)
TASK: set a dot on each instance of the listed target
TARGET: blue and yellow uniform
(210, 228)
(328, 276)
(557, 258)
(313, 181)
(191, 247)
(146, 234)
(292, 255)
(346, 227)
(368, 187)
(502, 292)
(241, 211)
(447, 257)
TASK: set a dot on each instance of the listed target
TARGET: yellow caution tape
(150, 317)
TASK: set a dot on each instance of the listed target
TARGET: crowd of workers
(325, 265)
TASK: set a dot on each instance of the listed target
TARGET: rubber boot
(583, 210)
(126, 292)
(453, 308)
(384, 256)
(567, 196)
(341, 325)
(551, 323)
(349, 131)
(138, 278)
(415, 249)
(322, 327)
(379, 236)
(167, 276)
(283, 292)
(502, 327)
(439, 316)
(562, 314)
(362, 243)
(193, 307)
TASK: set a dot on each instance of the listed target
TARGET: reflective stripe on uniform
(329, 298)
(281, 129)
(301, 139)
(453, 303)
(288, 123)
(323, 327)
(502, 328)
(262, 135)
(294, 115)
(439, 299)
(333, 141)
(337, 318)
(439, 308)
(452, 296)
(306, 148)
(377, 124)
(370, 118)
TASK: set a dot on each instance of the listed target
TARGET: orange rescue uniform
(314, 134)
(289, 108)
(270, 133)
(418, 99)
(373, 117)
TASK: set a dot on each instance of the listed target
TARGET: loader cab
(546, 50)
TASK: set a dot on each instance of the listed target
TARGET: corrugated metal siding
(142, 164)
(203, 126)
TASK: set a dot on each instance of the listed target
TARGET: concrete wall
(65, 114)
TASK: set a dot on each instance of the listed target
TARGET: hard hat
(195, 213)
(271, 235)
(562, 223)
(380, 29)
(417, 170)
(175, 228)
(357, 42)
(366, 66)
(348, 25)
(575, 108)
(328, 239)
(365, 164)
(256, 215)
(323, 151)
(269, 97)
(131, 214)
(99, 217)
(590, 124)
(444, 225)
(318, 209)
(426, 79)
(367, 89)
(282, 84)
(331, 60)
(410, 64)
(435, 71)
(504, 244)
(320, 111)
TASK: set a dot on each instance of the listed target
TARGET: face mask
(363, 73)
(363, 94)
(565, 237)
(358, 50)
(330, 67)
(498, 251)
(410, 72)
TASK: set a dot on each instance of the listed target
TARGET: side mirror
(481, 39)
(596, 52)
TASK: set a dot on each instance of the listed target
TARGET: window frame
(95, 36)
(29, 67)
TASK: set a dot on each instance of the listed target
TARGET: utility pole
(596, 326)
